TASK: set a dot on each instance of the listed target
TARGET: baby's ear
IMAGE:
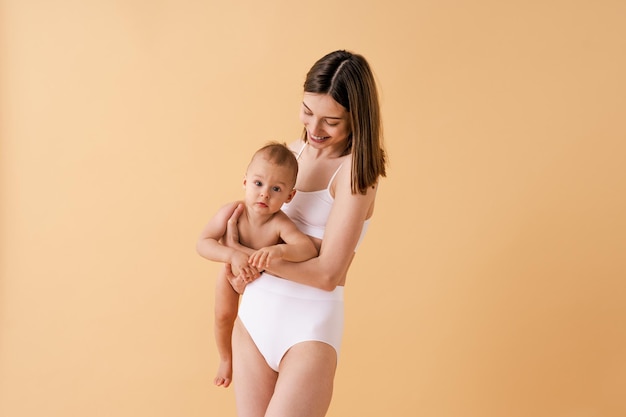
(291, 194)
(244, 181)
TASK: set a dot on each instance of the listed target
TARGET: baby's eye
(276, 189)
(258, 183)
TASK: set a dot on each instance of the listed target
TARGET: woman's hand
(240, 267)
(231, 237)
(246, 274)
(238, 282)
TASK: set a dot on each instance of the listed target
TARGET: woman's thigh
(305, 381)
(254, 380)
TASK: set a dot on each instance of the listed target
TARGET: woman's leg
(254, 379)
(305, 382)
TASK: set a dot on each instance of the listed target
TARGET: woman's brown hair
(348, 79)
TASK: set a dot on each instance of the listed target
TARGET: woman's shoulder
(296, 146)
(345, 166)
(343, 180)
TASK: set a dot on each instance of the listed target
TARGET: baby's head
(270, 178)
(281, 156)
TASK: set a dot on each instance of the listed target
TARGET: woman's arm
(231, 235)
(208, 245)
(341, 235)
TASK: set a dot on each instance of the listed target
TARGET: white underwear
(279, 313)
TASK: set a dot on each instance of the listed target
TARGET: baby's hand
(261, 259)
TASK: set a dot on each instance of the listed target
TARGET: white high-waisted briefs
(279, 313)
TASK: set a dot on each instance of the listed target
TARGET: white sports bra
(310, 210)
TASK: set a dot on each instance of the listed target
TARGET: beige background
(492, 280)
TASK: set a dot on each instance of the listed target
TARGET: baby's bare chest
(257, 237)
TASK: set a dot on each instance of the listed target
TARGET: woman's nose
(313, 126)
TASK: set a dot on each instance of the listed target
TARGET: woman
(286, 339)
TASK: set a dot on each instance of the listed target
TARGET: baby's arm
(209, 246)
(342, 233)
(296, 246)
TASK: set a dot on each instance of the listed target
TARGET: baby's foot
(224, 374)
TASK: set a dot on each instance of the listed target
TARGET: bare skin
(263, 227)
(260, 392)
(226, 302)
(304, 384)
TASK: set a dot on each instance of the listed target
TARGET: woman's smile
(318, 138)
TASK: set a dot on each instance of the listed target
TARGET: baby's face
(268, 186)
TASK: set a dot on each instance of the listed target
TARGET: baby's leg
(226, 305)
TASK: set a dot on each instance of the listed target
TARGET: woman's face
(327, 122)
